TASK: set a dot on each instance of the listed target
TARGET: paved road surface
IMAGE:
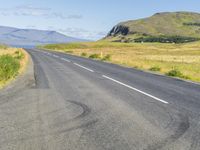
(82, 104)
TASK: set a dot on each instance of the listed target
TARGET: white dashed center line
(135, 89)
(56, 56)
(64, 59)
(83, 67)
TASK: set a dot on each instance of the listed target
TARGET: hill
(166, 27)
(31, 37)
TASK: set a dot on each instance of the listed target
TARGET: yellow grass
(23, 61)
(184, 57)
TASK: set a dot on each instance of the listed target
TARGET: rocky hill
(175, 27)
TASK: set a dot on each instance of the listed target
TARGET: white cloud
(28, 10)
(82, 33)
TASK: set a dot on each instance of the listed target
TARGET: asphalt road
(82, 104)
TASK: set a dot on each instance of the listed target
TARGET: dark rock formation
(119, 30)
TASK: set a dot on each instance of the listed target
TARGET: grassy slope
(163, 24)
(147, 56)
(12, 62)
(167, 23)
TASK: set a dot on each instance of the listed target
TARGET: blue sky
(89, 19)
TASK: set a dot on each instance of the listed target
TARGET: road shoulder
(23, 80)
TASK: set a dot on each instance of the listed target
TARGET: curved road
(82, 104)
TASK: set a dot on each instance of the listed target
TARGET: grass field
(12, 62)
(178, 60)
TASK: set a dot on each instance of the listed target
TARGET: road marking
(83, 67)
(64, 59)
(130, 87)
(56, 56)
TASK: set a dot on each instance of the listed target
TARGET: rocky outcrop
(119, 30)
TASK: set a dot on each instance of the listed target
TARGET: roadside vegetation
(166, 39)
(12, 62)
(176, 60)
(155, 68)
(176, 73)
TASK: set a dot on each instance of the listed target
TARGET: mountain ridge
(32, 37)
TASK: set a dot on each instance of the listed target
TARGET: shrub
(176, 73)
(155, 68)
(107, 57)
(166, 39)
(19, 55)
(69, 52)
(84, 54)
(192, 24)
(95, 56)
(9, 67)
(2, 46)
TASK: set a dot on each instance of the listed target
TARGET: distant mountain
(31, 37)
(161, 27)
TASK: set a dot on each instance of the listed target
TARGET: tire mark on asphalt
(84, 125)
(183, 126)
(85, 108)
(85, 112)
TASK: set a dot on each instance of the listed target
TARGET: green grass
(9, 67)
(18, 55)
(95, 56)
(176, 73)
(3, 46)
(106, 58)
(84, 54)
(69, 52)
(65, 46)
(155, 68)
(12, 62)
